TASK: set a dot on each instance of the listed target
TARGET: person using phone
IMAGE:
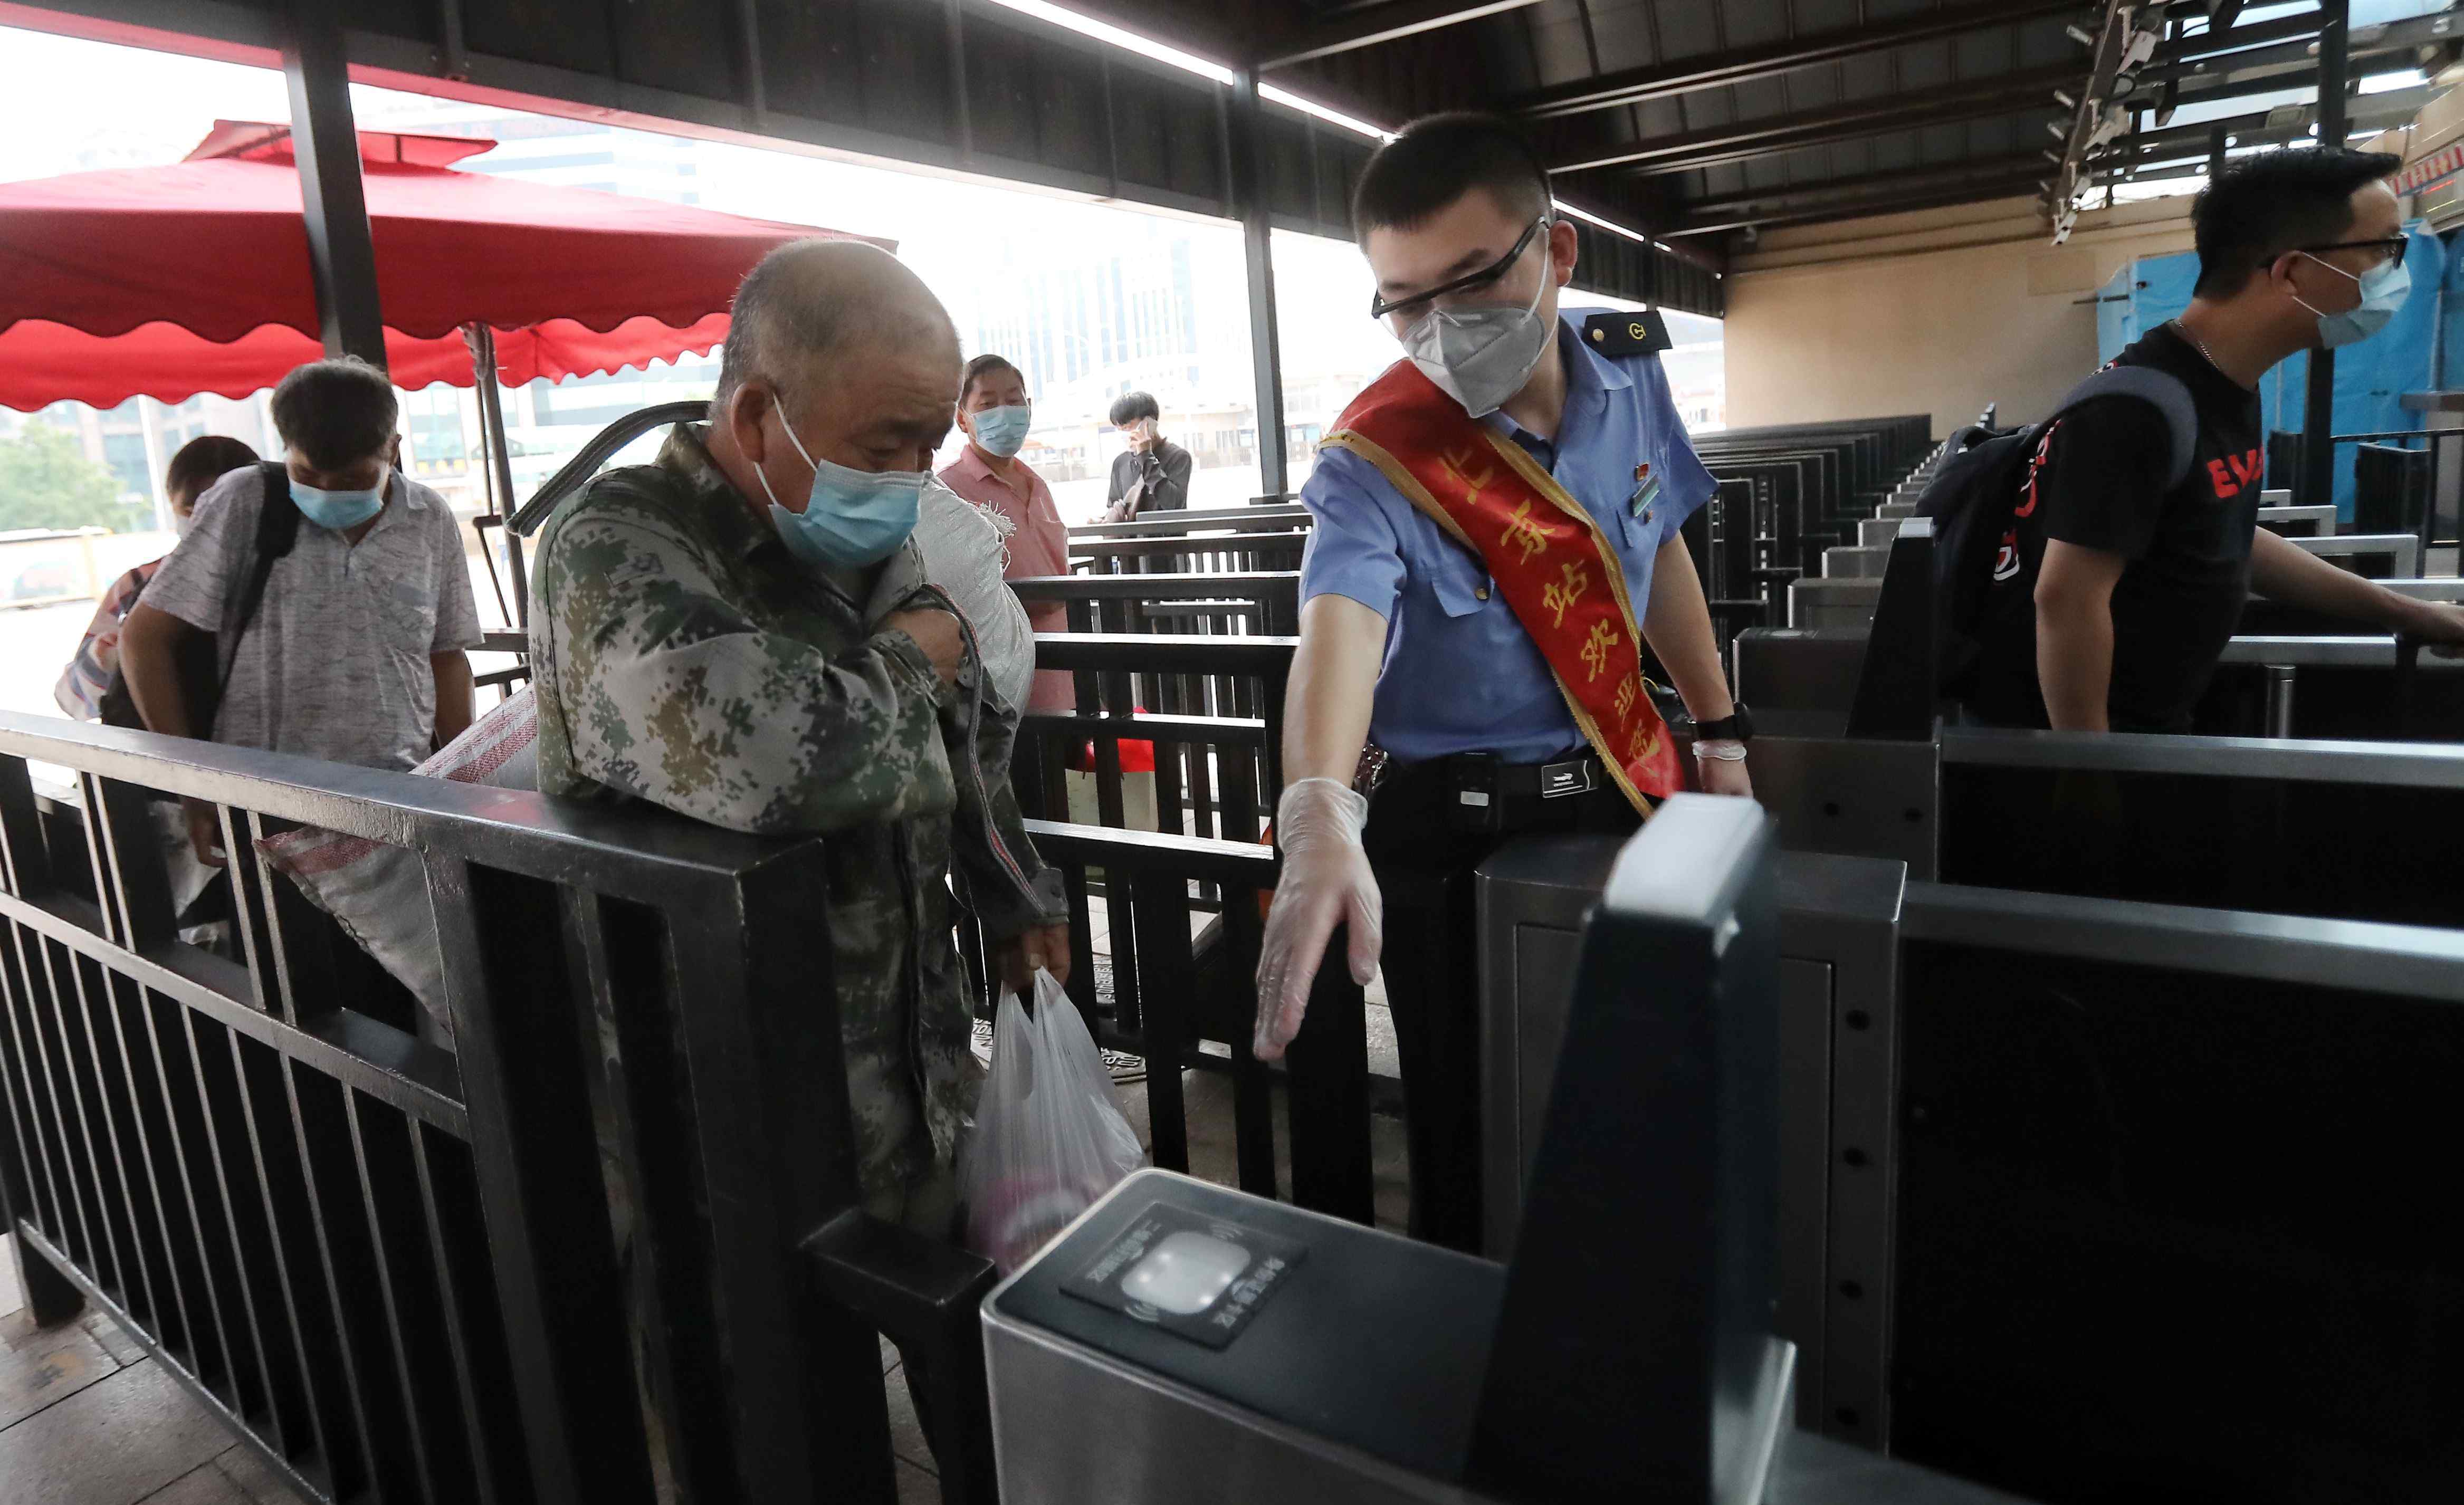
(1153, 474)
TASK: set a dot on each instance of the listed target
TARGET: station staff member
(1496, 538)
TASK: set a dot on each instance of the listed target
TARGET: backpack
(206, 661)
(1974, 497)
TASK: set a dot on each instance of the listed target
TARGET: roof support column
(2318, 414)
(1243, 131)
(342, 254)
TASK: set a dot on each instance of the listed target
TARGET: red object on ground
(194, 278)
(1136, 756)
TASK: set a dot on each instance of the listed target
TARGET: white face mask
(1482, 356)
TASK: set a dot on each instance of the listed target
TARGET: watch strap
(1737, 726)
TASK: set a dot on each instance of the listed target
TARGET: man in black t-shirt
(2117, 591)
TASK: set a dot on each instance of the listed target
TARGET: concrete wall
(1936, 312)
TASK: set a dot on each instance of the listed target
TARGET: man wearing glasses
(2117, 589)
(1495, 566)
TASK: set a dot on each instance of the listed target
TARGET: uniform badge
(1646, 490)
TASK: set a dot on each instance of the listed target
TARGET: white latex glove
(1326, 881)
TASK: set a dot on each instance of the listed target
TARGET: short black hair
(336, 413)
(978, 368)
(204, 461)
(1439, 157)
(2266, 204)
(1131, 406)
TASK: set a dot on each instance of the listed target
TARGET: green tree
(45, 481)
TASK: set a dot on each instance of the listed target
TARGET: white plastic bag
(380, 892)
(1050, 1136)
(965, 555)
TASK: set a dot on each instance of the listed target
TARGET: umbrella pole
(500, 465)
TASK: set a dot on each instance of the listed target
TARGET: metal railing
(1222, 554)
(1277, 517)
(2427, 506)
(613, 1237)
(1184, 905)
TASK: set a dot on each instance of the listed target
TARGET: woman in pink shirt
(994, 411)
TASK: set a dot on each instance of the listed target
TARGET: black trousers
(1431, 958)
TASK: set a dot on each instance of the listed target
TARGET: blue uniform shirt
(1461, 674)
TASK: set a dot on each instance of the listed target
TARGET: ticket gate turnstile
(1186, 1345)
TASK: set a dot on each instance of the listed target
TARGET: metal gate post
(342, 253)
(2319, 410)
(1243, 130)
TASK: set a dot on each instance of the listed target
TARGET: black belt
(1575, 775)
(1480, 792)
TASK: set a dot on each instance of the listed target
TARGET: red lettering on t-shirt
(2225, 484)
(2246, 468)
(2036, 466)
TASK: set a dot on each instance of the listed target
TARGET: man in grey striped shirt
(357, 651)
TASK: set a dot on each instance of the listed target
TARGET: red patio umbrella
(194, 278)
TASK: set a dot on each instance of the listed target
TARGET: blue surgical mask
(1001, 430)
(2383, 288)
(853, 518)
(339, 511)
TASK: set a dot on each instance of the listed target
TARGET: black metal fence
(2405, 480)
(611, 1239)
(1212, 554)
(1184, 904)
(1263, 514)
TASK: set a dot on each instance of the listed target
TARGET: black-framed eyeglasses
(2395, 247)
(1379, 308)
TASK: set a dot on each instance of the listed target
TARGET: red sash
(1546, 554)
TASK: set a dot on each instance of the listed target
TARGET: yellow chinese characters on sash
(1547, 555)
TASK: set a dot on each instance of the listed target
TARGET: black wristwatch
(1737, 726)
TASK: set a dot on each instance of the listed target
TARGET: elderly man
(743, 632)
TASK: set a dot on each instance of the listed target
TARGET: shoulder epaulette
(1619, 335)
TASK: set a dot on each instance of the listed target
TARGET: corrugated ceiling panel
(1689, 27)
(1559, 49)
(1817, 16)
(1811, 88)
(1625, 32)
(1754, 23)
(1924, 65)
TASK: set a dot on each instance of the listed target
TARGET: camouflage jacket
(683, 657)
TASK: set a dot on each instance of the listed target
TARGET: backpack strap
(2165, 393)
(278, 528)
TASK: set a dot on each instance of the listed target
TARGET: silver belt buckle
(1560, 779)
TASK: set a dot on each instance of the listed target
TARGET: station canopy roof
(1684, 127)
(1703, 120)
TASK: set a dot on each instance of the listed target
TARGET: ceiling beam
(2216, 39)
(1760, 136)
(2367, 114)
(1939, 197)
(2282, 80)
(1661, 80)
(1922, 175)
(1387, 22)
(2391, 40)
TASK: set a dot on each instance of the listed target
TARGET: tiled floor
(87, 1418)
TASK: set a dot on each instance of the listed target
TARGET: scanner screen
(1185, 1271)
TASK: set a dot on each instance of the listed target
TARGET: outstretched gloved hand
(1326, 881)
